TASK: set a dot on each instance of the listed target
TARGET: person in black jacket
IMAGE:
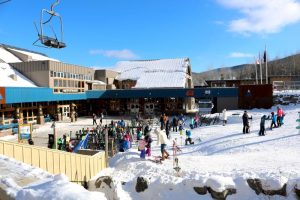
(175, 123)
(246, 124)
(262, 126)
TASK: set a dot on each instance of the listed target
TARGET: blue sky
(212, 33)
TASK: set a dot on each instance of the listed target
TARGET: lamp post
(54, 133)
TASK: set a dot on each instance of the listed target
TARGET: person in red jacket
(279, 116)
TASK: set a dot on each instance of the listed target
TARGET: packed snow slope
(222, 158)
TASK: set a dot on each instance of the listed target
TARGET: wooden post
(106, 145)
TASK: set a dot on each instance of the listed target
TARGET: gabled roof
(154, 73)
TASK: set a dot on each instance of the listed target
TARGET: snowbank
(22, 181)
(58, 188)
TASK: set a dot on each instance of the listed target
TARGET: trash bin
(50, 141)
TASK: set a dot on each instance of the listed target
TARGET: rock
(255, 184)
(141, 184)
(281, 191)
(201, 190)
(103, 179)
(221, 195)
(297, 191)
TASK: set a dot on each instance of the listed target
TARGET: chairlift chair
(50, 42)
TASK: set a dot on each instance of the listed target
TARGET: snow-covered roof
(154, 73)
(7, 57)
(9, 77)
(96, 82)
(32, 56)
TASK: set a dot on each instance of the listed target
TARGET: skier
(262, 126)
(224, 117)
(246, 125)
(188, 134)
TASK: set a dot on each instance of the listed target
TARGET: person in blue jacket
(274, 120)
(188, 134)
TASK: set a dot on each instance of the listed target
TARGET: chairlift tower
(50, 41)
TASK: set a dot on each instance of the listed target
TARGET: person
(162, 139)
(262, 126)
(246, 124)
(188, 134)
(94, 119)
(279, 116)
(224, 117)
(165, 119)
(161, 120)
(192, 123)
(101, 118)
(138, 134)
(195, 122)
(180, 128)
(175, 123)
(147, 129)
(273, 120)
(167, 128)
(148, 140)
(142, 147)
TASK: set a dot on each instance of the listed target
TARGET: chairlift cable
(3, 2)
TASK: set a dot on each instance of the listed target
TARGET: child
(274, 119)
(188, 137)
(141, 147)
(138, 134)
(148, 140)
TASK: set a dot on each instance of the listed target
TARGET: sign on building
(24, 132)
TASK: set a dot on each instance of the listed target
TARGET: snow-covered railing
(78, 168)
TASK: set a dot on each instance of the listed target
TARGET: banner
(24, 132)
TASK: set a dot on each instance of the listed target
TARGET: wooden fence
(78, 168)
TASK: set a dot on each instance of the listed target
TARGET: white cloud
(262, 16)
(119, 54)
(240, 55)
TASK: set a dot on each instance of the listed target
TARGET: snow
(6, 71)
(220, 183)
(8, 57)
(165, 72)
(22, 181)
(33, 56)
(224, 158)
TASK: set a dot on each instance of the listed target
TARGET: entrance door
(65, 112)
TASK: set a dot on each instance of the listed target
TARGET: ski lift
(50, 42)
(4, 1)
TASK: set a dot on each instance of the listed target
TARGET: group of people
(101, 116)
(276, 120)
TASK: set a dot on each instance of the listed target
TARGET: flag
(265, 56)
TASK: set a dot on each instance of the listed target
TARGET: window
(55, 83)
(60, 83)
(51, 73)
(54, 74)
(64, 83)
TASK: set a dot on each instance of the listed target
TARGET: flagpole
(256, 71)
(260, 69)
(266, 63)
